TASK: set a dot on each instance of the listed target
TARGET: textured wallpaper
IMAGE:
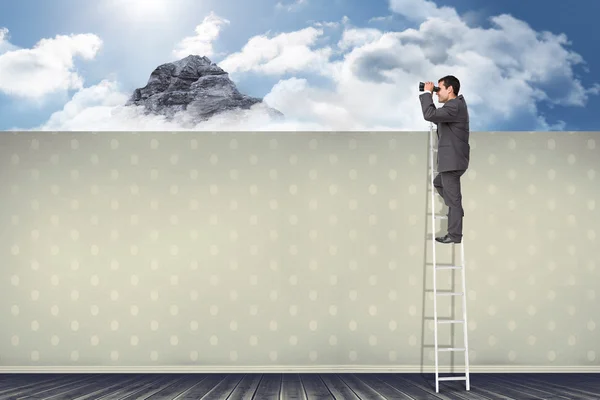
(293, 250)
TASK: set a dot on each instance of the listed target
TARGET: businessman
(452, 122)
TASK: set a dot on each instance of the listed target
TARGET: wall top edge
(281, 132)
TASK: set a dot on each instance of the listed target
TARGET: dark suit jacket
(452, 122)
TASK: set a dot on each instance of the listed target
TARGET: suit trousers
(447, 184)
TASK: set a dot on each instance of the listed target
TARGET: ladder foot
(453, 378)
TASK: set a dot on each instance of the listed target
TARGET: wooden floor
(296, 386)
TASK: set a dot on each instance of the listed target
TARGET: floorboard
(310, 386)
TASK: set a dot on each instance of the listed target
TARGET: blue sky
(336, 64)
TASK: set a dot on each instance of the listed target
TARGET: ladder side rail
(465, 335)
(435, 320)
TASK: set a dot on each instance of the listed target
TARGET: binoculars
(422, 87)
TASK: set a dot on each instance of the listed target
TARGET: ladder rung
(452, 349)
(450, 321)
(448, 266)
(443, 291)
(450, 293)
(453, 378)
(441, 319)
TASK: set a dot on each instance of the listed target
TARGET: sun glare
(141, 9)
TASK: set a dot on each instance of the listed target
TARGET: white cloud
(91, 106)
(353, 37)
(202, 43)
(420, 10)
(356, 103)
(387, 18)
(543, 125)
(5, 45)
(47, 67)
(283, 53)
(294, 6)
(331, 24)
(100, 108)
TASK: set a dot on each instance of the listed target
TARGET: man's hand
(429, 86)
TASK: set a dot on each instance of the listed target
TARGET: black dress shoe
(446, 239)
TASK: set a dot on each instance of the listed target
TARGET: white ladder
(433, 149)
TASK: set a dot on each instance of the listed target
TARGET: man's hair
(450, 80)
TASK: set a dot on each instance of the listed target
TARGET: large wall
(296, 251)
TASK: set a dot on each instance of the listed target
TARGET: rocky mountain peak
(194, 84)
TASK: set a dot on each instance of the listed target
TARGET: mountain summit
(196, 85)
